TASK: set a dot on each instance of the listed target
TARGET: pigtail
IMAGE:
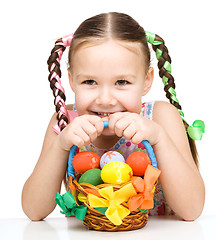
(164, 65)
(55, 79)
(197, 129)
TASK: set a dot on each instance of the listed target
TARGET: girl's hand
(81, 131)
(134, 127)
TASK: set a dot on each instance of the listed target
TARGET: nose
(105, 97)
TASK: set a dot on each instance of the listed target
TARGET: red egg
(84, 161)
(138, 161)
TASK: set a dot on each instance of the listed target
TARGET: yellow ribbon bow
(145, 187)
(115, 212)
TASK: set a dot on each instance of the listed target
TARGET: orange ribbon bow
(145, 189)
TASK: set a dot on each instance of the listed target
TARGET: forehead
(110, 56)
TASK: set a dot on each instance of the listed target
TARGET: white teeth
(103, 114)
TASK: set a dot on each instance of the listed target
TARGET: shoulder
(157, 110)
(168, 117)
(164, 109)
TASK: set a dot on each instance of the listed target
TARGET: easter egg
(116, 173)
(138, 161)
(92, 176)
(86, 160)
(110, 157)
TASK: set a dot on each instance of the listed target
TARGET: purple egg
(111, 156)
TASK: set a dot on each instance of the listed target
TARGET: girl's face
(109, 77)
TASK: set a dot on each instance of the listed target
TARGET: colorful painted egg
(86, 160)
(92, 176)
(138, 161)
(111, 156)
(116, 173)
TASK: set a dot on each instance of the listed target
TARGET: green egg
(92, 176)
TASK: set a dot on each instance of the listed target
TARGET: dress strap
(147, 109)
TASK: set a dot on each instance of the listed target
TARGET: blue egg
(111, 156)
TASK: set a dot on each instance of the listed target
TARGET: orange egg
(138, 161)
(86, 160)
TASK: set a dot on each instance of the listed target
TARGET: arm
(181, 181)
(39, 190)
(38, 196)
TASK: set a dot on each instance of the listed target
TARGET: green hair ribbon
(196, 130)
(198, 127)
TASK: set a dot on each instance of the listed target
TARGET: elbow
(193, 213)
(195, 208)
(33, 208)
(30, 210)
(34, 213)
(31, 214)
(34, 218)
(190, 217)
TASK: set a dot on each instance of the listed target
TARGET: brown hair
(117, 26)
(107, 26)
(170, 84)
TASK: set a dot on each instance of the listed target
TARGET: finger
(83, 135)
(130, 131)
(97, 122)
(121, 125)
(90, 130)
(137, 138)
(113, 118)
(78, 141)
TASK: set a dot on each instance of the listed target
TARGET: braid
(194, 132)
(55, 79)
(164, 65)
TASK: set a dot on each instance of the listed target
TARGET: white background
(28, 32)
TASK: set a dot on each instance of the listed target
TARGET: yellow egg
(116, 173)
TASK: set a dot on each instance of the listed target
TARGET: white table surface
(70, 228)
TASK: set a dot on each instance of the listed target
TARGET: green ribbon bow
(196, 130)
(69, 206)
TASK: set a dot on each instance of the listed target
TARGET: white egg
(111, 156)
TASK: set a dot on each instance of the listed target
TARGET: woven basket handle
(145, 143)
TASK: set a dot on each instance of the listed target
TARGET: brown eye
(89, 82)
(122, 82)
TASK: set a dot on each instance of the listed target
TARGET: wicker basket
(98, 221)
(95, 219)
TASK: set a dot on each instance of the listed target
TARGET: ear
(70, 79)
(148, 81)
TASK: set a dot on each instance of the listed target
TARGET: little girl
(109, 72)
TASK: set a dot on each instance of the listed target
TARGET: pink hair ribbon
(66, 41)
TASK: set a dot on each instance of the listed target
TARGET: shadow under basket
(97, 220)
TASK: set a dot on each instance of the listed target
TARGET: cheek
(82, 102)
(132, 102)
(134, 106)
